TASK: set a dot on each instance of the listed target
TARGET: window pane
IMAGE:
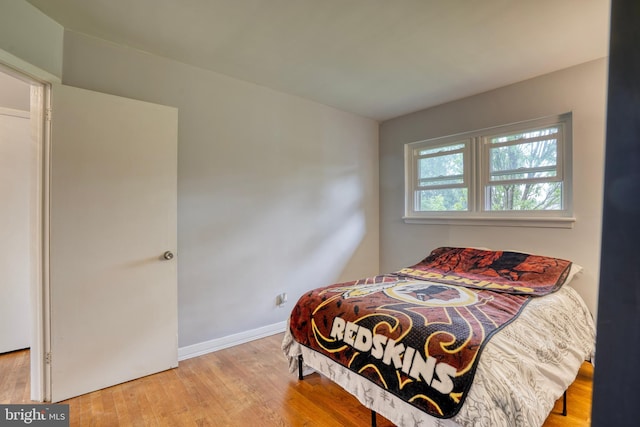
(530, 174)
(526, 197)
(449, 199)
(527, 155)
(532, 134)
(441, 181)
(427, 151)
(448, 165)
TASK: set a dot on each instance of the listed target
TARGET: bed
(465, 337)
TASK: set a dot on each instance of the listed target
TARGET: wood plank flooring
(246, 385)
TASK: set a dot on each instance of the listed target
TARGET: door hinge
(47, 358)
(47, 114)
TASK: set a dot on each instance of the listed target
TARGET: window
(517, 174)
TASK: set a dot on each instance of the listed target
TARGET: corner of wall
(30, 40)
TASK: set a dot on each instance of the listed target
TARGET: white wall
(28, 34)
(275, 193)
(581, 89)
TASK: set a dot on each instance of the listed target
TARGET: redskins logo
(431, 294)
(421, 292)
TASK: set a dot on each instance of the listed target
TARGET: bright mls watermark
(35, 415)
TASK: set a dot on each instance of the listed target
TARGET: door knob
(167, 255)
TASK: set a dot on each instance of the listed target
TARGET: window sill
(539, 222)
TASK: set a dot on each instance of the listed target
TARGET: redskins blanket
(418, 333)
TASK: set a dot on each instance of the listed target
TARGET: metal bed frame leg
(564, 404)
(300, 367)
(373, 418)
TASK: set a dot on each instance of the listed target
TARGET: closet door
(113, 281)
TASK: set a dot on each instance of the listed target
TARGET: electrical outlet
(281, 299)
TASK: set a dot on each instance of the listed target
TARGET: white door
(17, 192)
(113, 296)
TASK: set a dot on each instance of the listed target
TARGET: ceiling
(375, 58)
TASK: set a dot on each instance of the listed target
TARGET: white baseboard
(229, 341)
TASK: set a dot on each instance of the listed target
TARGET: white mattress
(522, 371)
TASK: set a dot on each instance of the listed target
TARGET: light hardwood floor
(246, 385)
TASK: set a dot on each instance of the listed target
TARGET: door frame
(40, 82)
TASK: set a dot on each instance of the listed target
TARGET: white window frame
(476, 176)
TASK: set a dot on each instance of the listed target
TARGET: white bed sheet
(522, 371)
